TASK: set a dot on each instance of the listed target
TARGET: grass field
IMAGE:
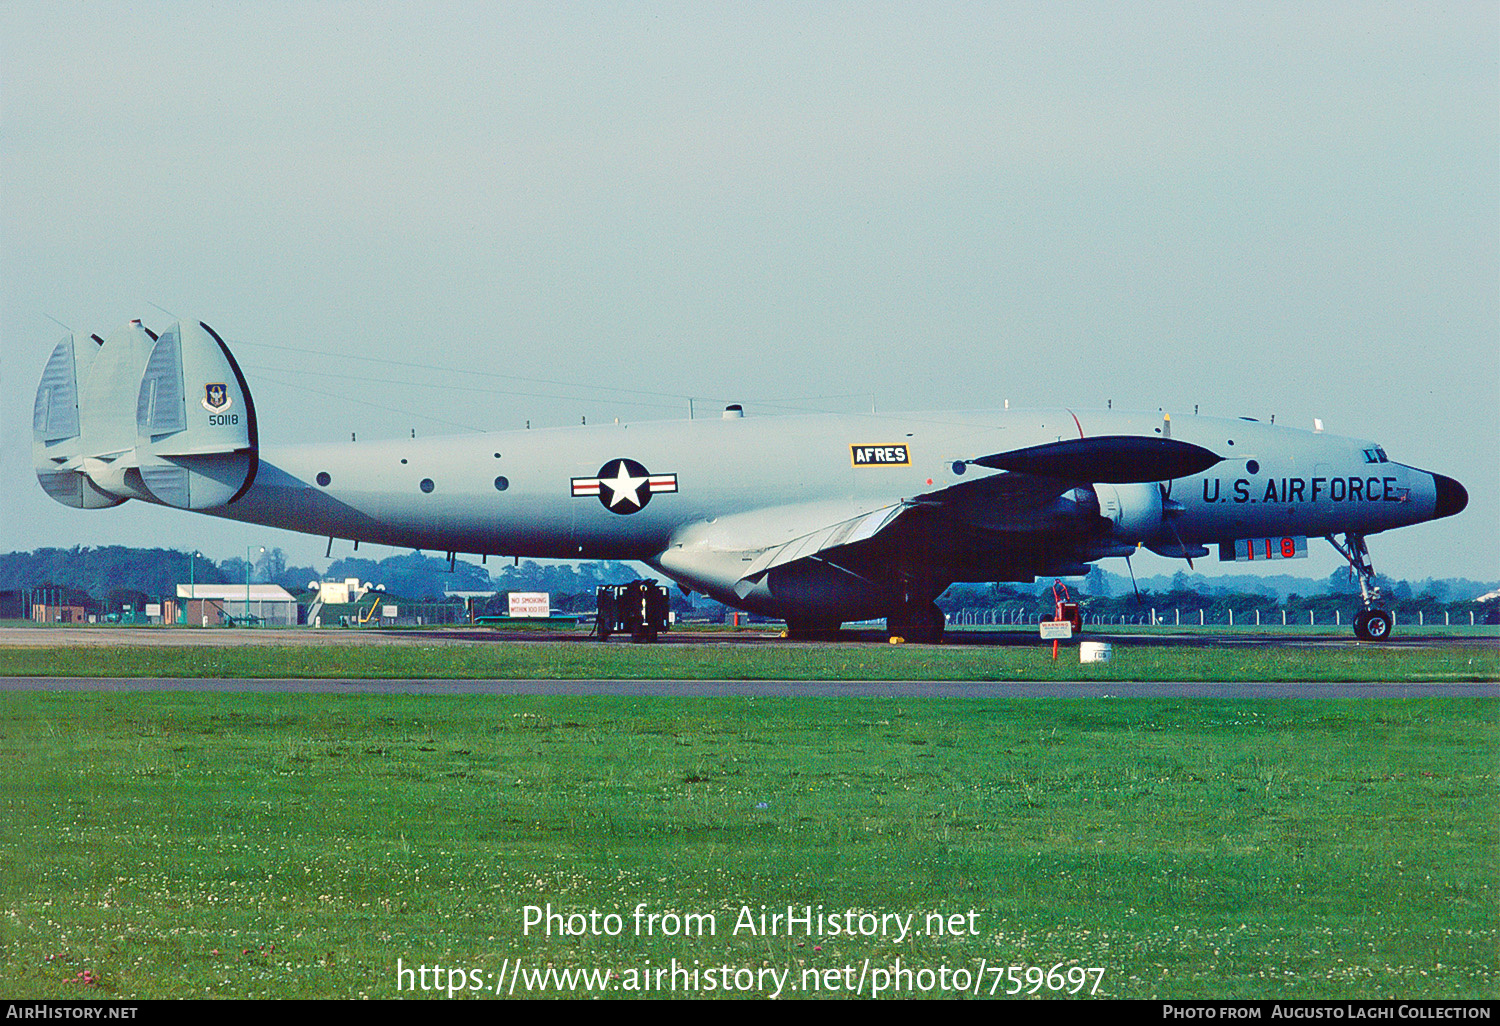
(857, 661)
(162, 845)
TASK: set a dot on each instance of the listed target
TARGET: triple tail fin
(164, 418)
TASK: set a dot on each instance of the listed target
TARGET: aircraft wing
(1018, 521)
(998, 502)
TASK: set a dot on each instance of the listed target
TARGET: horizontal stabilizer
(1111, 459)
(75, 488)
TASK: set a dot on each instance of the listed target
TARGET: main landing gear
(1371, 623)
(800, 628)
(922, 624)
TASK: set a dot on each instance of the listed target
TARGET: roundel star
(624, 486)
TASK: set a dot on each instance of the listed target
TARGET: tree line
(108, 578)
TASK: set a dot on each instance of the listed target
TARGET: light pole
(247, 582)
(192, 584)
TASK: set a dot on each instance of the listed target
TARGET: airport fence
(1020, 616)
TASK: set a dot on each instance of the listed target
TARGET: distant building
(58, 614)
(339, 593)
(213, 604)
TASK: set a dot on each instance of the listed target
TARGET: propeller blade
(1132, 580)
(1178, 538)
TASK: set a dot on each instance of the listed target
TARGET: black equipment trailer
(640, 607)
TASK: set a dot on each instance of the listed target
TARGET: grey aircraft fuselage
(513, 494)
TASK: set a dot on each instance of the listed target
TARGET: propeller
(1178, 539)
(1138, 599)
(1170, 509)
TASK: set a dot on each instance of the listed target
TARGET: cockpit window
(1375, 454)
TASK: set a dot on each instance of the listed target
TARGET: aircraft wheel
(898, 625)
(1373, 624)
(1378, 626)
(799, 629)
(918, 625)
(937, 622)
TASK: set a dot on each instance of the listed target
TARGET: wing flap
(732, 555)
(848, 532)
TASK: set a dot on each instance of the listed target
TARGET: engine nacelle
(1133, 510)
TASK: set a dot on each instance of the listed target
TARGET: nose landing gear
(1371, 623)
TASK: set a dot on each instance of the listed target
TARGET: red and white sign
(1249, 549)
(531, 603)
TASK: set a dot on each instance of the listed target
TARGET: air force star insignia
(624, 486)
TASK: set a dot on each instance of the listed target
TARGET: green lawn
(298, 846)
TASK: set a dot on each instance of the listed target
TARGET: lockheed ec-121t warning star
(815, 519)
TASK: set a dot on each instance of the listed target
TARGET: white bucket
(1093, 651)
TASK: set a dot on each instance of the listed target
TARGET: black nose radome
(1451, 496)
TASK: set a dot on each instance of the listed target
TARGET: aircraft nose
(1451, 496)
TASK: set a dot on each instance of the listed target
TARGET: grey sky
(1261, 209)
